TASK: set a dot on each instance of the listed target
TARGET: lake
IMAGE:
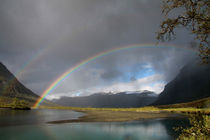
(31, 125)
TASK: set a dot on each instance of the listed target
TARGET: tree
(194, 15)
(199, 128)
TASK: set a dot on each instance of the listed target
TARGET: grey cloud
(103, 72)
(73, 30)
(167, 61)
(111, 74)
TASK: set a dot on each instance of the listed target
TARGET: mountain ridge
(11, 87)
(101, 100)
(192, 83)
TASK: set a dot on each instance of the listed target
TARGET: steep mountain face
(192, 83)
(11, 87)
(109, 100)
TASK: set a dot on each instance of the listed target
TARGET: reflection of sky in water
(124, 131)
(22, 117)
(139, 130)
(154, 130)
(87, 131)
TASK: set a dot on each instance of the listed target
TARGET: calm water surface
(31, 125)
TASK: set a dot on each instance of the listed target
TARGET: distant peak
(141, 93)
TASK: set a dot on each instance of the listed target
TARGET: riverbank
(117, 116)
(132, 114)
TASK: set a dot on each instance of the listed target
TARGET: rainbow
(20, 72)
(34, 59)
(84, 62)
(29, 62)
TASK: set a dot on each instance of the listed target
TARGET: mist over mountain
(192, 83)
(11, 87)
(110, 100)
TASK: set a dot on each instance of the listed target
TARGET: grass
(196, 107)
(128, 114)
(148, 109)
(20, 102)
(115, 116)
(14, 103)
(197, 111)
(201, 103)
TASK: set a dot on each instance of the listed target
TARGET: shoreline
(118, 116)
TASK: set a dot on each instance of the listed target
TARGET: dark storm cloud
(110, 74)
(165, 60)
(73, 30)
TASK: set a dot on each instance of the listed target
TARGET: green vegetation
(198, 106)
(142, 109)
(194, 16)
(14, 103)
(19, 104)
(202, 103)
(197, 111)
(198, 114)
(115, 116)
(199, 130)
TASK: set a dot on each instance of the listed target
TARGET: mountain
(109, 100)
(10, 87)
(192, 83)
(201, 103)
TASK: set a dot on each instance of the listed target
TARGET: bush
(199, 130)
(19, 104)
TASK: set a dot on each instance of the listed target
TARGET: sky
(41, 39)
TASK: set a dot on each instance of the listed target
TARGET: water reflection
(171, 124)
(138, 130)
(27, 117)
(152, 129)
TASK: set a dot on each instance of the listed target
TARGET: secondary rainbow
(86, 61)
